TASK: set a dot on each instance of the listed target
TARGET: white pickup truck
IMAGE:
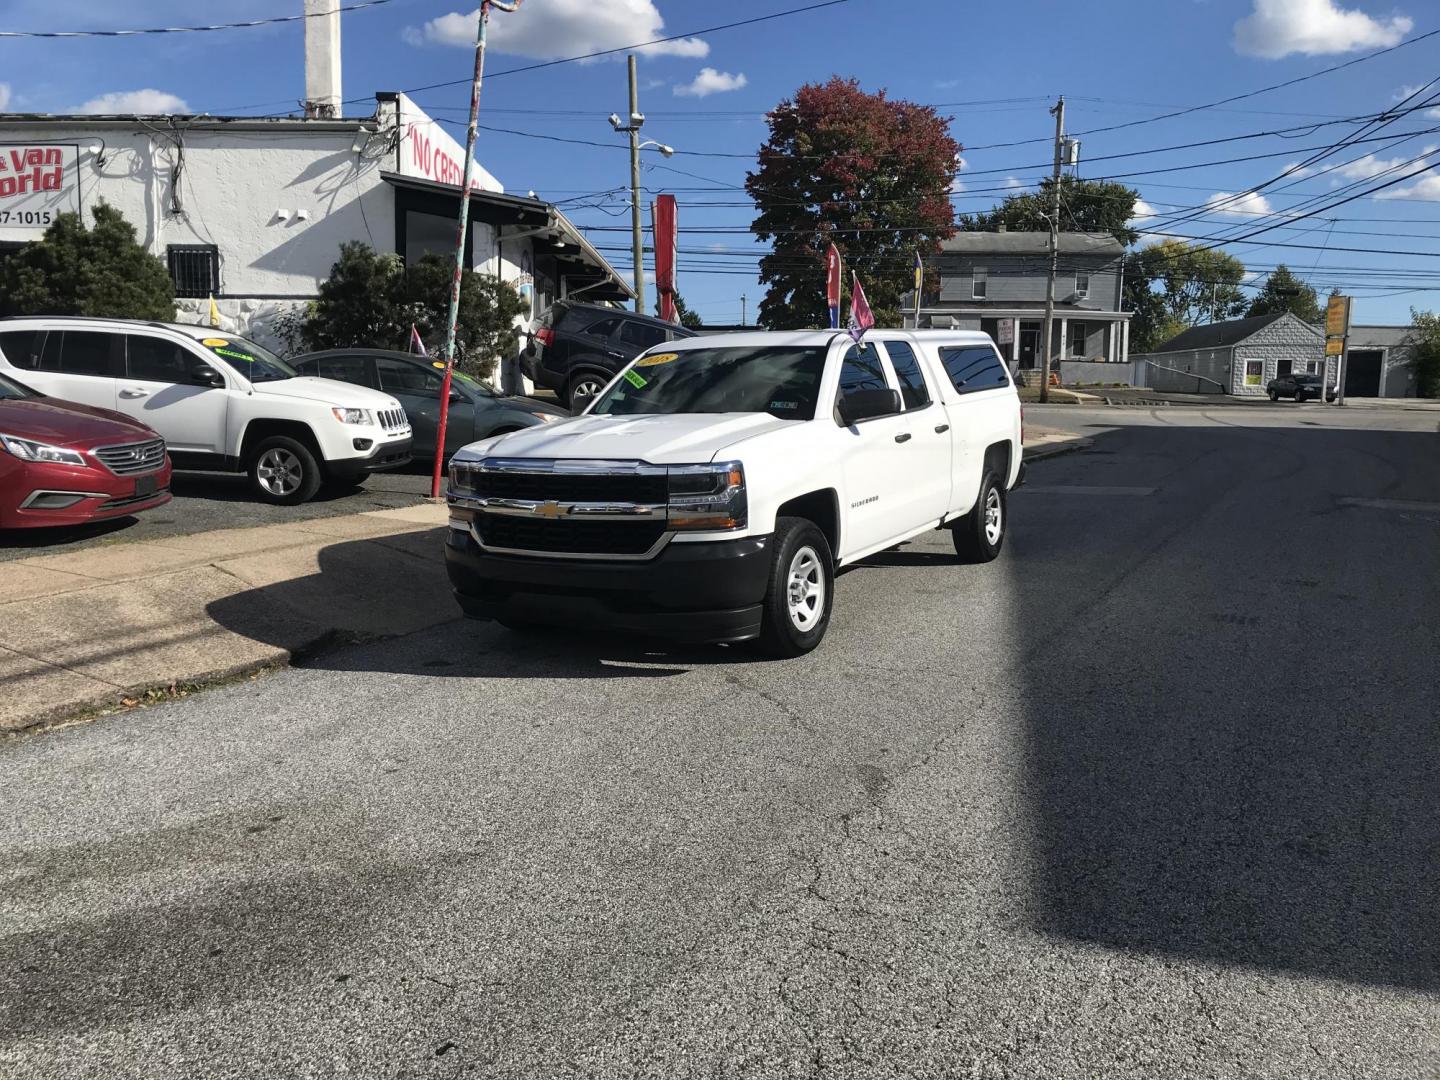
(712, 490)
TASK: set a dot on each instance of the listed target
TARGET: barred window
(195, 269)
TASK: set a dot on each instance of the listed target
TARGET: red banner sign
(665, 217)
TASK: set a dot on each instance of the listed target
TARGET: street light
(632, 128)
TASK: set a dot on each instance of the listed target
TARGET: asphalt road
(1153, 795)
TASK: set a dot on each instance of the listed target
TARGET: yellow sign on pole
(1337, 316)
(1334, 346)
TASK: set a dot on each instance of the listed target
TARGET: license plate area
(146, 485)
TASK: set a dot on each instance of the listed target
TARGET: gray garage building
(1237, 357)
(1380, 362)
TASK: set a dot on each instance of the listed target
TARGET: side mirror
(861, 405)
(205, 375)
(456, 396)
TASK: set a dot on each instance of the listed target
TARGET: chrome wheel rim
(279, 471)
(585, 391)
(994, 522)
(805, 589)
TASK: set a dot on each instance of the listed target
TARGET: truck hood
(674, 439)
(329, 391)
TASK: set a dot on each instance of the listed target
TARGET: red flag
(665, 217)
(416, 345)
(832, 285)
(861, 317)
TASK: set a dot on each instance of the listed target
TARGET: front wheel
(800, 592)
(283, 471)
(1274, 395)
(583, 390)
(980, 534)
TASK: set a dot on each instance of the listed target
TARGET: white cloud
(946, 84)
(1409, 91)
(550, 29)
(957, 185)
(1279, 28)
(1427, 188)
(1014, 182)
(4, 96)
(710, 81)
(1143, 212)
(1296, 171)
(1246, 204)
(1370, 166)
(133, 103)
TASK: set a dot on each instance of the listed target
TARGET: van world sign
(38, 181)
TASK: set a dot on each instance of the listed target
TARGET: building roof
(1220, 335)
(1031, 243)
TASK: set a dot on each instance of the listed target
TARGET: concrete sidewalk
(97, 628)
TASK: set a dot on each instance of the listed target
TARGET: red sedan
(68, 464)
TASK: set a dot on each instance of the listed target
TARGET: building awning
(556, 234)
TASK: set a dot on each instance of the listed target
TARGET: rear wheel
(582, 390)
(283, 471)
(801, 590)
(1274, 395)
(980, 534)
(1299, 396)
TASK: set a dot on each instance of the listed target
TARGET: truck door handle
(940, 429)
(904, 436)
(133, 391)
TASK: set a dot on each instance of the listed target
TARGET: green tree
(102, 272)
(689, 319)
(372, 299)
(1094, 206)
(1424, 338)
(1283, 291)
(1171, 286)
(870, 174)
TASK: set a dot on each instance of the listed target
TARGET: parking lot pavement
(205, 502)
(1150, 796)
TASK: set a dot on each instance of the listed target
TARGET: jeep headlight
(708, 497)
(352, 416)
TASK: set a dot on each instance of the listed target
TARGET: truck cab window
(862, 370)
(913, 390)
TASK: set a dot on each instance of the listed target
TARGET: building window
(1312, 366)
(1077, 339)
(1082, 285)
(195, 269)
(980, 277)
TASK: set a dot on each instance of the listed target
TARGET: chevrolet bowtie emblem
(550, 510)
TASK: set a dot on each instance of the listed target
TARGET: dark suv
(1299, 385)
(575, 349)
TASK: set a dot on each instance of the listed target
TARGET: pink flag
(416, 345)
(861, 317)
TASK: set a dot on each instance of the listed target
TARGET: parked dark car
(575, 349)
(62, 463)
(476, 410)
(1300, 385)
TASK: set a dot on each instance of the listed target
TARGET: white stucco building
(253, 210)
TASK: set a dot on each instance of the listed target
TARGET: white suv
(221, 402)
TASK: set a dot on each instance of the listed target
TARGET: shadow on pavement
(58, 536)
(1230, 692)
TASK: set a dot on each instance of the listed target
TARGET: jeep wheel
(582, 391)
(283, 471)
(980, 534)
(801, 590)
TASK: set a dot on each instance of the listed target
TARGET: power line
(359, 5)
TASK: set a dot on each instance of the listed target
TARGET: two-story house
(995, 282)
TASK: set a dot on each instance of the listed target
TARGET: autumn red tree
(869, 173)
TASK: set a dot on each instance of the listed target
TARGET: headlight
(546, 417)
(352, 416)
(707, 496)
(29, 450)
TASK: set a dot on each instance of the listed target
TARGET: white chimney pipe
(322, 58)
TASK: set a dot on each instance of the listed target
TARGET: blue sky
(995, 68)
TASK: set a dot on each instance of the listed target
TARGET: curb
(1069, 446)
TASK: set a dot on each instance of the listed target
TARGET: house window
(980, 277)
(1077, 339)
(195, 269)
(1082, 284)
(1312, 366)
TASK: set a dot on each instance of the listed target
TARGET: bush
(372, 299)
(1425, 338)
(100, 272)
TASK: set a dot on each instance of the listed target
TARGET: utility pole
(635, 231)
(460, 230)
(1059, 113)
(742, 309)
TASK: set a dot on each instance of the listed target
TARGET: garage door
(1362, 373)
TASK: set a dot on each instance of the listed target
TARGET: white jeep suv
(221, 402)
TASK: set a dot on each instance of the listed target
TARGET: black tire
(973, 542)
(582, 389)
(1274, 395)
(781, 634)
(1299, 397)
(301, 479)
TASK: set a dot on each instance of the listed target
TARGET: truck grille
(131, 459)
(567, 487)
(568, 537)
(393, 420)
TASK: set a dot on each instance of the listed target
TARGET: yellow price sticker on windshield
(658, 358)
(438, 364)
(215, 342)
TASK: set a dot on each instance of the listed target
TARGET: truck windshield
(780, 380)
